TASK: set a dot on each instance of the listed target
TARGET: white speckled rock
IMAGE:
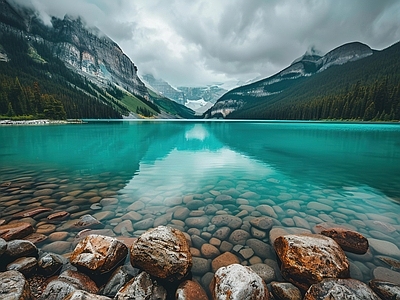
(162, 252)
(236, 282)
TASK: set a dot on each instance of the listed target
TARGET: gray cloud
(199, 42)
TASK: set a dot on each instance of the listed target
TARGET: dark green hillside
(33, 74)
(367, 89)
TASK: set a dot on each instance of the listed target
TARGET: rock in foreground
(98, 254)
(340, 289)
(236, 282)
(309, 258)
(162, 252)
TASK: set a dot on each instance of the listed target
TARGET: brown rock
(386, 290)
(236, 282)
(67, 283)
(349, 240)
(162, 252)
(98, 254)
(13, 285)
(209, 251)
(88, 222)
(224, 260)
(340, 289)
(31, 212)
(309, 258)
(36, 238)
(190, 290)
(58, 215)
(16, 230)
(26, 265)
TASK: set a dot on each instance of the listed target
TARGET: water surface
(353, 169)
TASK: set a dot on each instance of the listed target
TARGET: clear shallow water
(352, 169)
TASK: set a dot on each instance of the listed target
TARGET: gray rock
(262, 223)
(141, 287)
(26, 265)
(264, 271)
(222, 233)
(50, 263)
(117, 280)
(3, 246)
(285, 291)
(237, 282)
(200, 265)
(260, 248)
(227, 220)
(82, 295)
(239, 236)
(13, 285)
(144, 224)
(344, 289)
(197, 241)
(197, 222)
(195, 204)
(20, 248)
(386, 274)
(224, 199)
(181, 213)
(386, 290)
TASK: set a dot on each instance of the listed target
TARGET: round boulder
(236, 282)
(13, 285)
(162, 252)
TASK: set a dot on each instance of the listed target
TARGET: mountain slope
(367, 89)
(77, 65)
(301, 69)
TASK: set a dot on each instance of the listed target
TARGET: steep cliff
(85, 50)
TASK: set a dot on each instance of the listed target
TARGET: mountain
(290, 81)
(164, 88)
(199, 99)
(71, 58)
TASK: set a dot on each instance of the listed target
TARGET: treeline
(78, 97)
(18, 100)
(377, 102)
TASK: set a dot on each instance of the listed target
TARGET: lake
(133, 175)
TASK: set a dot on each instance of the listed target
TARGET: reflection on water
(299, 174)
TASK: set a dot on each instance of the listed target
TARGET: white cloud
(197, 42)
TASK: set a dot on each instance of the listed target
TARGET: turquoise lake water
(353, 169)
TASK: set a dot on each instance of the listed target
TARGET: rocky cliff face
(305, 66)
(85, 50)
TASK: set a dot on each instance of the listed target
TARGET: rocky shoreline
(222, 225)
(39, 122)
(158, 265)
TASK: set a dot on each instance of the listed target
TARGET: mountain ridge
(361, 89)
(303, 68)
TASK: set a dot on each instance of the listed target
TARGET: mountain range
(352, 81)
(198, 98)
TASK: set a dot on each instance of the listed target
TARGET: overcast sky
(198, 42)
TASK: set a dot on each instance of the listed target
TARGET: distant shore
(39, 122)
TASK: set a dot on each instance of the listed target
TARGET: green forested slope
(367, 89)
